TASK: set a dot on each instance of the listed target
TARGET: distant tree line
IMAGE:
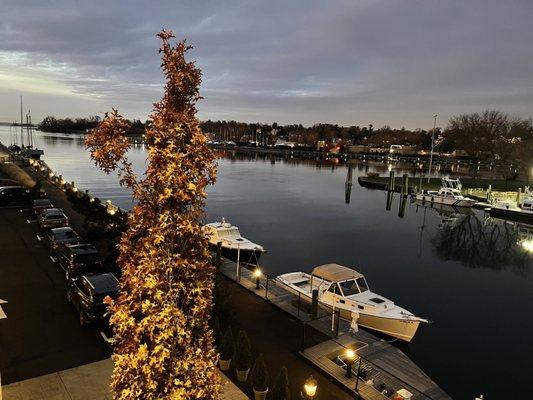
(477, 134)
(82, 125)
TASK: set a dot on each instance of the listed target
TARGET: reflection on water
(466, 273)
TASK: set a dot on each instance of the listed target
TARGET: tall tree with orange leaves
(163, 347)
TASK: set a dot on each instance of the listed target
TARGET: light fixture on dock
(257, 274)
(310, 387)
(350, 359)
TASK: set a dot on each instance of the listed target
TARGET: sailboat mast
(432, 145)
(21, 125)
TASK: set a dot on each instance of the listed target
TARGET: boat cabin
(223, 230)
(339, 280)
(527, 205)
(449, 192)
(450, 183)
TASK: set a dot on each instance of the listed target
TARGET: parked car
(87, 294)
(41, 204)
(14, 196)
(79, 259)
(52, 218)
(58, 238)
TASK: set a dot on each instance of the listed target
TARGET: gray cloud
(347, 62)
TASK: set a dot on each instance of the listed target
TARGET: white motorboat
(233, 246)
(449, 194)
(345, 289)
(521, 212)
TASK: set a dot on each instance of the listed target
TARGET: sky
(349, 62)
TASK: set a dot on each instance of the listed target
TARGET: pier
(380, 369)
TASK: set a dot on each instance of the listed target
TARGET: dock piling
(391, 181)
(405, 185)
(518, 194)
(314, 304)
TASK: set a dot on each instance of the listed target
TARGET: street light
(350, 358)
(310, 386)
(257, 274)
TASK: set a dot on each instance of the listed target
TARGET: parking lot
(42, 333)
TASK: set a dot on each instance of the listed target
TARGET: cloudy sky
(395, 62)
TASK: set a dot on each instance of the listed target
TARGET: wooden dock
(386, 368)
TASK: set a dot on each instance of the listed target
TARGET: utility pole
(432, 145)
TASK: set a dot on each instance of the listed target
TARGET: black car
(79, 259)
(87, 294)
(14, 196)
(57, 238)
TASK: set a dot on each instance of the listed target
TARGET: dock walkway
(386, 367)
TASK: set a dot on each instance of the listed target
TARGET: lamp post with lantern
(350, 359)
(257, 274)
(310, 387)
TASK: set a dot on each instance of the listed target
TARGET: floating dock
(380, 370)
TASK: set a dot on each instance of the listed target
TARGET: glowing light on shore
(527, 245)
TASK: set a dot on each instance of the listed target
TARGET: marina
(429, 250)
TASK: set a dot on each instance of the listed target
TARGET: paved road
(277, 335)
(42, 333)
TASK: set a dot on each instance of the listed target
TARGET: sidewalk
(87, 382)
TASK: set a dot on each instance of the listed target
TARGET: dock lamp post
(310, 387)
(257, 274)
(350, 359)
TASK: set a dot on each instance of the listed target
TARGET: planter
(242, 376)
(260, 394)
(224, 364)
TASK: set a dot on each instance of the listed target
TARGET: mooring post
(403, 203)
(337, 322)
(357, 377)
(314, 304)
(518, 196)
(405, 185)
(389, 201)
(391, 181)
(489, 193)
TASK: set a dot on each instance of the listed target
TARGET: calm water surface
(468, 274)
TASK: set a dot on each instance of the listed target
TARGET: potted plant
(243, 357)
(260, 378)
(281, 390)
(227, 349)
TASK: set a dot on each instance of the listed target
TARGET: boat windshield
(349, 287)
(230, 232)
(363, 286)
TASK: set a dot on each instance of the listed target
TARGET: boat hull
(247, 256)
(402, 329)
(399, 328)
(427, 198)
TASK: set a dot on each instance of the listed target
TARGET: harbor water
(471, 275)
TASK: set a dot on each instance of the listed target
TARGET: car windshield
(54, 216)
(349, 287)
(87, 258)
(67, 234)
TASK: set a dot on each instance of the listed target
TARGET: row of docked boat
(336, 286)
(450, 195)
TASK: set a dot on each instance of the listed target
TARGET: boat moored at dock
(520, 212)
(343, 288)
(234, 247)
(449, 194)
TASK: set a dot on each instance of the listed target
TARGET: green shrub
(217, 334)
(243, 352)
(227, 347)
(281, 390)
(260, 376)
